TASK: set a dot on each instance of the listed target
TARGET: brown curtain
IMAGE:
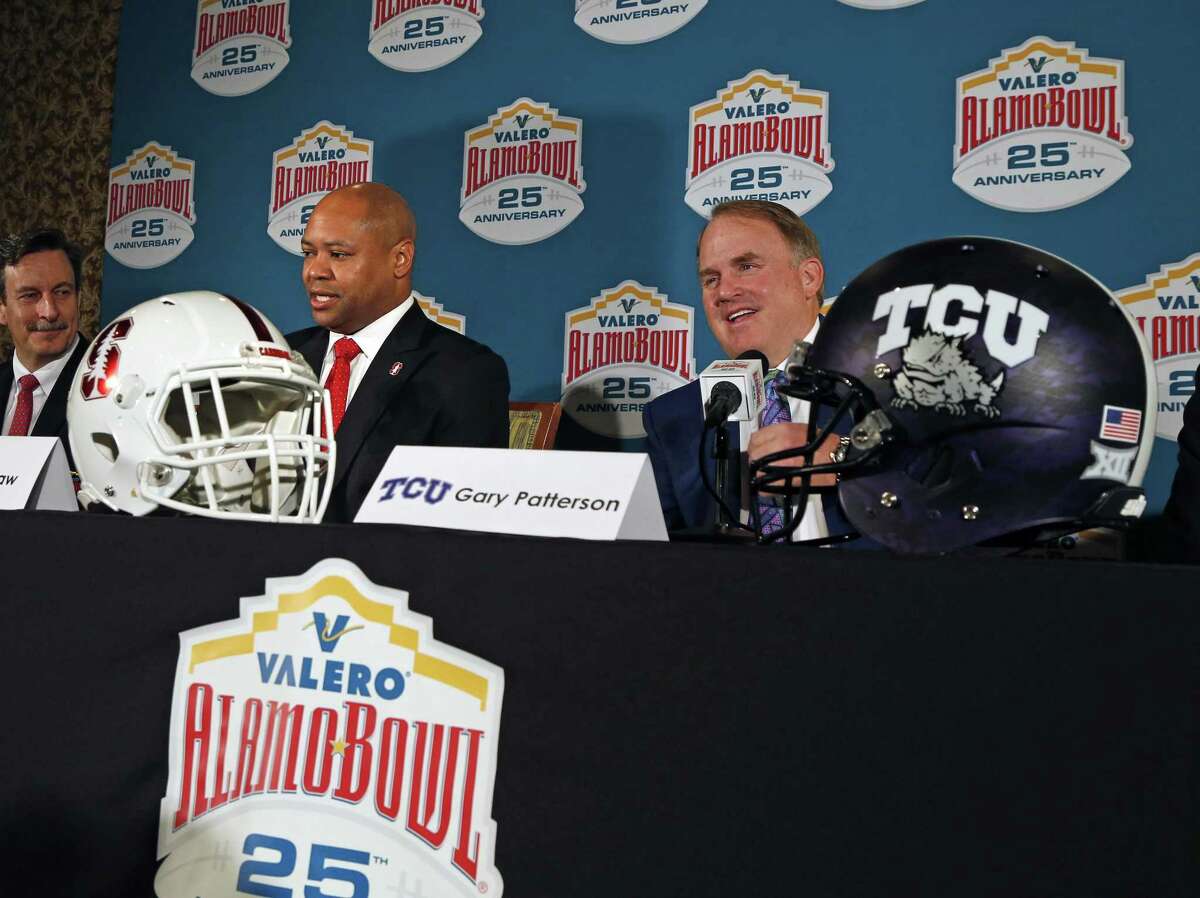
(58, 63)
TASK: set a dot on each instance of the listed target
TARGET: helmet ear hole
(106, 445)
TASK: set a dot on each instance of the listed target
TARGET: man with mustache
(39, 287)
(394, 377)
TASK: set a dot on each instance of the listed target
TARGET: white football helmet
(195, 402)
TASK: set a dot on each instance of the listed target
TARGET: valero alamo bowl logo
(151, 207)
(762, 137)
(1042, 128)
(634, 21)
(324, 743)
(419, 35)
(522, 174)
(240, 45)
(627, 347)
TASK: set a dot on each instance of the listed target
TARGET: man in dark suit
(761, 278)
(394, 376)
(39, 303)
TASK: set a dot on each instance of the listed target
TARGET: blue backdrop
(891, 80)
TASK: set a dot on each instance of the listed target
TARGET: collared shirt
(370, 341)
(813, 525)
(47, 376)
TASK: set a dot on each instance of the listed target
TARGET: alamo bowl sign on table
(241, 45)
(762, 138)
(629, 346)
(1042, 128)
(634, 21)
(150, 207)
(1167, 309)
(320, 159)
(522, 174)
(324, 743)
(419, 35)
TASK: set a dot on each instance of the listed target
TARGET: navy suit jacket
(447, 390)
(52, 422)
(673, 424)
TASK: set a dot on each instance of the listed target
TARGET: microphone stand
(721, 453)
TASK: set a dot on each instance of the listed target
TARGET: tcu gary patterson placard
(762, 138)
(320, 159)
(1167, 309)
(325, 743)
(434, 312)
(1042, 128)
(626, 348)
(522, 174)
(419, 35)
(634, 21)
(151, 207)
(240, 45)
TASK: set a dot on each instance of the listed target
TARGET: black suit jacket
(1180, 537)
(447, 390)
(52, 422)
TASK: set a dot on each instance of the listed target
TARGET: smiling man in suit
(394, 377)
(39, 303)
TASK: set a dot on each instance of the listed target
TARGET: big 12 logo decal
(419, 35)
(634, 21)
(761, 138)
(240, 45)
(319, 160)
(522, 174)
(1042, 128)
(150, 207)
(325, 743)
(629, 346)
(1167, 309)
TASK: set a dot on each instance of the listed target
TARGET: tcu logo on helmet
(104, 360)
(936, 370)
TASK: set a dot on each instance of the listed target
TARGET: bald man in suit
(394, 376)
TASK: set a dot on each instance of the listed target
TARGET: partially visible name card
(587, 495)
(34, 474)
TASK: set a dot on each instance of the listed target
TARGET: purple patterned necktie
(775, 410)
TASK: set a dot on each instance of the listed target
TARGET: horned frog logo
(936, 373)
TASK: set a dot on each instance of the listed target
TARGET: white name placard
(587, 495)
(34, 474)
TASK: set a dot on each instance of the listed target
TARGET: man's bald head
(378, 207)
(358, 249)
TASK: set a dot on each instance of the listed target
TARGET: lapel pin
(396, 368)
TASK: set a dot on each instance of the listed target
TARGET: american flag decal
(1120, 424)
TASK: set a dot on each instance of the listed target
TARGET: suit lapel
(54, 413)
(378, 388)
(314, 348)
(6, 380)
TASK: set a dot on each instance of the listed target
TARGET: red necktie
(23, 413)
(338, 382)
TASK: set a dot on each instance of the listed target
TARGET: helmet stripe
(261, 331)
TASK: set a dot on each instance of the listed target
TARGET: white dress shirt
(47, 376)
(370, 341)
(813, 525)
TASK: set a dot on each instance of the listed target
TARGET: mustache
(47, 326)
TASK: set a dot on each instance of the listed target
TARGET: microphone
(732, 389)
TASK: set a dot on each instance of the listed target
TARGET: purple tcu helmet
(993, 388)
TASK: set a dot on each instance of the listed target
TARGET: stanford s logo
(104, 360)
